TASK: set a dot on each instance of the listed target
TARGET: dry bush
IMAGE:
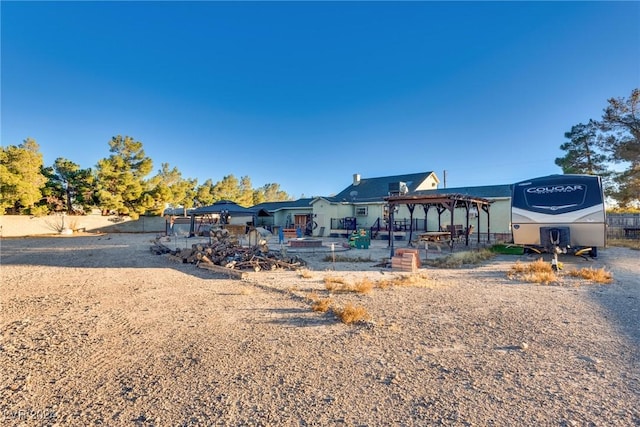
(322, 305)
(459, 259)
(305, 274)
(319, 304)
(335, 284)
(312, 296)
(537, 271)
(350, 314)
(333, 279)
(364, 286)
(404, 280)
(335, 287)
(537, 266)
(544, 277)
(599, 275)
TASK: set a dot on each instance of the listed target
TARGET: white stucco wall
(24, 225)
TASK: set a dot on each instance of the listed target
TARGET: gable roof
(231, 207)
(304, 203)
(486, 191)
(372, 189)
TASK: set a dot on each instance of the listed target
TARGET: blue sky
(306, 94)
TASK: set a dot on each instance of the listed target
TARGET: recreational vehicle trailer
(559, 214)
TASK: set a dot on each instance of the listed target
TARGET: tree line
(609, 147)
(119, 184)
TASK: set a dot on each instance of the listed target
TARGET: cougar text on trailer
(559, 214)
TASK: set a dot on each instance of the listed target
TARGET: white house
(362, 205)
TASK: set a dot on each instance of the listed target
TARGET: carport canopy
(218, 207)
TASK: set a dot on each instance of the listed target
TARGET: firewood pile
(225, 254)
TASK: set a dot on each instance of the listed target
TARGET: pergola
(442, 203)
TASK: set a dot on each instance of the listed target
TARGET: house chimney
(356, 178)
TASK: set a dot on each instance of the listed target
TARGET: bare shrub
(599, 275)
(305, 274)
(350, 314)
(312, 296)
(404, 280)
(322, 305)
(537, 271)
(364, 286)
(459, 259)
(333, 279)
(544, 277)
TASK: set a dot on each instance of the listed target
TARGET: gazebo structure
(442, 203)
(220, 213)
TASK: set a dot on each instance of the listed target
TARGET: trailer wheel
(593, 253)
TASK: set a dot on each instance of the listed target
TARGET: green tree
(227, 189)
(620, 138)
(270, 193)
(21, 178)
(121, 178)
(582, 155)
(69, 187)
(204, 194)
(169, 188)
(240, 192)
(245, 189)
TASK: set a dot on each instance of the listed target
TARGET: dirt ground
(96, 330)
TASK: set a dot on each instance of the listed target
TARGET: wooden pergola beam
(442, 202)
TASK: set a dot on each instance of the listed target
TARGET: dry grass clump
(537, 266)
(543, 277)
(322, 305)
(459, 259)
(404, 280)
(537, 271)
(318, 303)
(625, 243)
(333, 280)
(305, 274)
(363, 286)
(350, 314)
(599, 275)
(312, 296)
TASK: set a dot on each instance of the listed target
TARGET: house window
(361, 211)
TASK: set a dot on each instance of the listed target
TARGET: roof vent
(356, 178)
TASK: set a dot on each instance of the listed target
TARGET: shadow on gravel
(297, 317)
(621, 299)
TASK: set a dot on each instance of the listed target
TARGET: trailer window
(556, 197)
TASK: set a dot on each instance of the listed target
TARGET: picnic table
(434, 236)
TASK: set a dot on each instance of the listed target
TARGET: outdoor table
(434, 236)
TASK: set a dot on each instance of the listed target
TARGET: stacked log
(225, 251)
